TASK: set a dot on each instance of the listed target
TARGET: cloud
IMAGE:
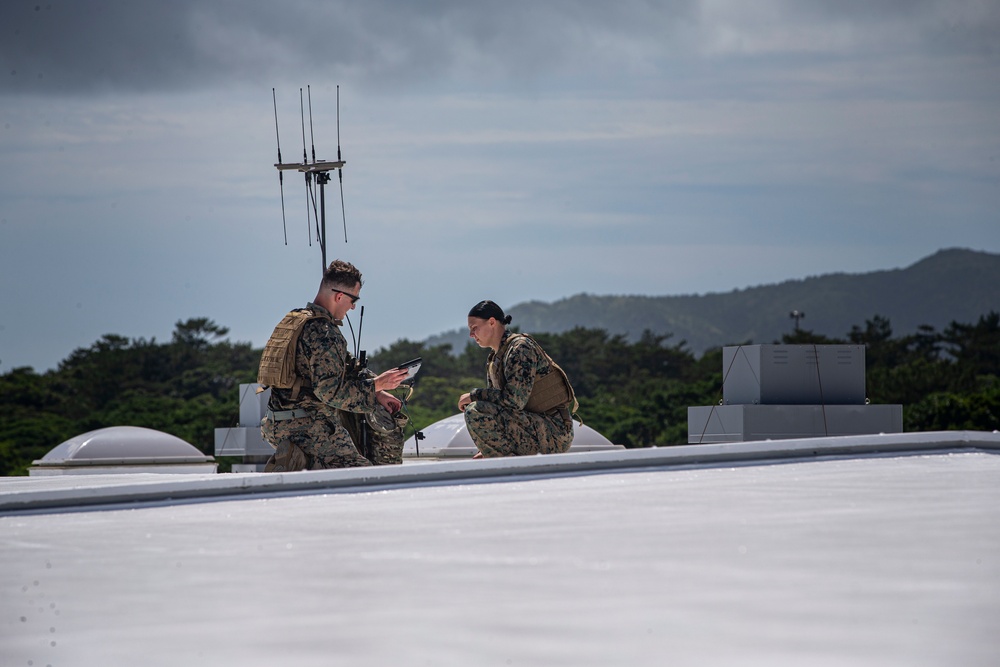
(101, 46)
(135, 45)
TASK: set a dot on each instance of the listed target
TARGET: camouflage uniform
(497, 420)
(338, 400)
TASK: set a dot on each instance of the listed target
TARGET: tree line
(635, 393)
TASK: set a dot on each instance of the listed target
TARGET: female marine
(525, 406)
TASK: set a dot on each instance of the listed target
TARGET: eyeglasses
(353, 298)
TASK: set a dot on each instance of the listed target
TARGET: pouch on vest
(277, 363)
(551, 391)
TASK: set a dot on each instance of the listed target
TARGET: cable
(822, 400)
(718, 401)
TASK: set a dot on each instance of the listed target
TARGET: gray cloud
(122, 45)
(76, 47)
(73, 48)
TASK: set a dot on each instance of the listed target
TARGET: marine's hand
(389, 402)
(390, 379)
(463, 401)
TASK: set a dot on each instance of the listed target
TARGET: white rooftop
(874, 550)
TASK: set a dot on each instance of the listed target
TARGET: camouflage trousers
(500, 432)
(318, 444)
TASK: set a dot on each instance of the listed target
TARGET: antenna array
(316, 173)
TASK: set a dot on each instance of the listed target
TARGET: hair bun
(484, 310)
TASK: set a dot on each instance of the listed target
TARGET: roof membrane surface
(872, 560)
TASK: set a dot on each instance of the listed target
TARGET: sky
(513, 151)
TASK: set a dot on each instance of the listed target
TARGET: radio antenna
(302, 117)
(361, 323)
(302, 120)
(356, 340)
(316, 169)
(312, 141)
(281, 174)
(340, 174)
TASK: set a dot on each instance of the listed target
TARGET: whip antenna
(354, 341)
(361, 323)
(343, 213)
(302, 117)
(340, 174)
(281, 174)
(312, 141)
(302, 120)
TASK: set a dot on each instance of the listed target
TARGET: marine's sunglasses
(354, 299)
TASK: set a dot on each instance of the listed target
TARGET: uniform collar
(503, 343)
(320, 310)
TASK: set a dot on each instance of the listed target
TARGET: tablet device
(413, 365)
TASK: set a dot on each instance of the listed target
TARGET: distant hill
(950, 285)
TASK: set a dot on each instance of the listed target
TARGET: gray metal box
(241, 441)
(743, 423)
(245, 440)
(252, 405)
(793, 375)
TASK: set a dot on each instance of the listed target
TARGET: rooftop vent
(123, 449)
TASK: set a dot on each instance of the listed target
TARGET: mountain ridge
(953, 284)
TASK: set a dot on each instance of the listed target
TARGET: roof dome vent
(123, 449)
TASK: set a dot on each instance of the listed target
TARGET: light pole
(796, 315)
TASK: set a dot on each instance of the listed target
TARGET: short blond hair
(342, 274)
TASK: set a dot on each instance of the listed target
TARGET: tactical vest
(550, 391)
(277, 363)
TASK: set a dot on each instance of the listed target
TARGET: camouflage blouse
(322, 357)
(508, 384)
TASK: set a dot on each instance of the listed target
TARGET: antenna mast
(314, 170)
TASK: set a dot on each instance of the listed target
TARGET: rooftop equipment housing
(245, 440)
(773, 392)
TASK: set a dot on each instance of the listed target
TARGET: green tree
(635, 393)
